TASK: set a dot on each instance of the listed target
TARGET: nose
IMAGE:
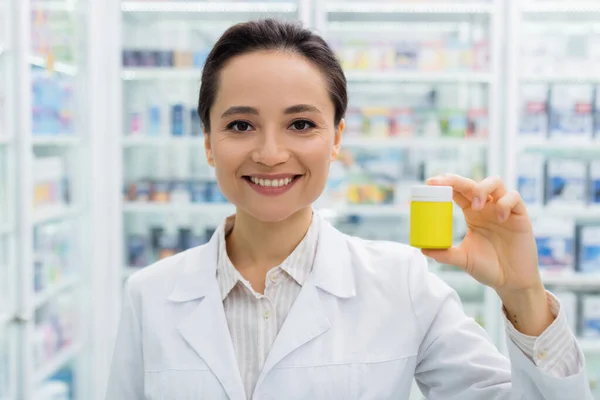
(270, 149)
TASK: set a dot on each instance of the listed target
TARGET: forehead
(282, 77)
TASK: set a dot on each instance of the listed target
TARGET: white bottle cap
(431, 193)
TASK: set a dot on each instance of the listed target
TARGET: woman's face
(272, 133)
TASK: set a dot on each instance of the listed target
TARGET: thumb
(453, 256)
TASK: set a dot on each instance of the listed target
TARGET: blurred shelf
(197, 208)
(575, 281)
(130, 74)
(544, 78)
(557, 144)
(57, 66)
(53, 5)
(589, 345)
(55, 212)
(565, 211)
(55, 140)
(400, 8)
(368, 210)
(5, 140)
(48, 294)
(162, 140)
(560, 7)
(419, 76)
(62, 358)
(411, 142)
(209, 7)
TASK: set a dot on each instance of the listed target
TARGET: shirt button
(273, 278)
(266, 314)
(542, 354)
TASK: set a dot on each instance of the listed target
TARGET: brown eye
(240, 126)
(302, 125)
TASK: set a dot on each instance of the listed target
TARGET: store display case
(553, 144)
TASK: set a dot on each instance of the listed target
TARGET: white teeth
(271, 183)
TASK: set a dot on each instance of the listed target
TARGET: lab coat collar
(332, 268)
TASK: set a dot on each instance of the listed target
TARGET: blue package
(199, 58)
(589, 253)
(567, 182)
(555, 239)
(154, 120)
(595, 182)
(591, 316)
(137, 246)
(177, 120)
(198, 192)
(571, 111)
(195, 124)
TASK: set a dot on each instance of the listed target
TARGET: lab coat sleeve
(457, 360)
(126, 380)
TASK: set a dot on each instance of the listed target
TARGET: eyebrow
(300, 108)
(239, 110)
(295, 109)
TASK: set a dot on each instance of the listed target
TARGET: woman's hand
(499, 249)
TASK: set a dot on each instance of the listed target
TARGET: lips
(271, 185)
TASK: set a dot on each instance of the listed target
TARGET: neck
(264, 245)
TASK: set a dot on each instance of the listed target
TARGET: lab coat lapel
(307, 319)
(205, 328)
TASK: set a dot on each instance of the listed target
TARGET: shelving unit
(54, 290)
(418, 77)
(54, 213)
(524, 16)
(60, 360)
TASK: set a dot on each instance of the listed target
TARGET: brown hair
(270, 34)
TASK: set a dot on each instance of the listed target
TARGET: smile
(271, 186)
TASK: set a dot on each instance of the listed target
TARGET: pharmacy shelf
(54, 290)
(53, 5)
(350, 140)
(572, 281)
(62, 358)
(180, 208)
(408, 8)
(555, 78)
(55, 140)
(5, 140)
(589, 346)
(57, 66)
(160, 141)
(458, 279)
(52, 213)
(561, 7)
(132, 74)
(557, 145)
(418, 77)
(208, 7)
(570, 212)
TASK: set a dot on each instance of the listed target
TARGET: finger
(464, 186)
(511, 202)
(461, 200)
(452, 256)
(490, 186)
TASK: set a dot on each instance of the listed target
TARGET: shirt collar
(298, 264)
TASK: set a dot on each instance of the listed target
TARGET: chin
(264, 213)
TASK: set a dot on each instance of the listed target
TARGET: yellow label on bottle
(431, 225)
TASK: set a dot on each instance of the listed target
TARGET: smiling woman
(280, 304)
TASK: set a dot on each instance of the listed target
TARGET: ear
(337, 140)
(208, 149)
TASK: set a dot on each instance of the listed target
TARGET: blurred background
(102, 168)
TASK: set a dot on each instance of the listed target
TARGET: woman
(281, 305)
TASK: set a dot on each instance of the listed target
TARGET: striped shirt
(255, 319)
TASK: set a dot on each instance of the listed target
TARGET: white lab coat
(369, 319)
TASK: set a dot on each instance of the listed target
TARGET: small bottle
(431, 217)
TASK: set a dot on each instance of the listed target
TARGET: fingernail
(476, 203)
